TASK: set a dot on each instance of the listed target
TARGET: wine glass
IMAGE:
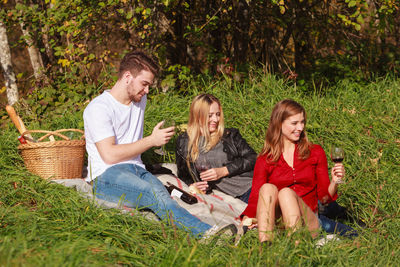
(337, 156)
(167, 123)
(202, 165)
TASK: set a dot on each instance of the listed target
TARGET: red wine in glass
(202, 165)
(337, 160)
(337, 156)
(201, 168)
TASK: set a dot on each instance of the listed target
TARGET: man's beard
(137, 98)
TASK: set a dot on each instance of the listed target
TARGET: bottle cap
(21, 139)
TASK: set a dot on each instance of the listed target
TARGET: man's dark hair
(135, 62)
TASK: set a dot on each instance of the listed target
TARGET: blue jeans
(333, 211)
(332, 227)
(135, 187)
(245, 197)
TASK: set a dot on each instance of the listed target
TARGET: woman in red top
(290, 175)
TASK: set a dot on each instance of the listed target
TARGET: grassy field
(44, 224)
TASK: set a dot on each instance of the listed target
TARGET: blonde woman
(226, 160)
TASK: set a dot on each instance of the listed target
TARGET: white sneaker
(226, 230)
(323, 241)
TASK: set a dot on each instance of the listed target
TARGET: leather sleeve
(180, 155)
(244, 157)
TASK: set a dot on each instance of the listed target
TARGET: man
(114, 142)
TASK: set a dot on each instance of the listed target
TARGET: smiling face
(214, 116)
(292, 127)
(139, 86)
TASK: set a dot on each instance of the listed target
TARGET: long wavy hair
(273, 143)
(198, 126)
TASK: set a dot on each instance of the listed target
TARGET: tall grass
(44, 224)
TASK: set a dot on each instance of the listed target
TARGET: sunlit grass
(43, 224)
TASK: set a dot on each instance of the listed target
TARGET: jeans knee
(326, 224)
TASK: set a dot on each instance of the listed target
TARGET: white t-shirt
(105, 117)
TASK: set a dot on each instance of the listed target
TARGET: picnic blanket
(215, 208)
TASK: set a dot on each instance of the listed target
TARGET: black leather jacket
(241, 156)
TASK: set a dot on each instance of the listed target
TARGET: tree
(5, 58)
(79, 40)
(34, 55)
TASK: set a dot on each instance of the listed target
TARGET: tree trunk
(34, 55)
(5, 58)
(301, 36)
(241, 31)
(36, 60)
(46, 40)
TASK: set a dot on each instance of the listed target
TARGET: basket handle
(50, 133)
(72, 130)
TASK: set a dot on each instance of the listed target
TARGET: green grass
(43, 224)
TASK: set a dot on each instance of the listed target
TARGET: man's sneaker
(241, 231)
(224, 230)
(321, 242)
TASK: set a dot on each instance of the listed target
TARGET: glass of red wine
(202, 165)
(337, 156)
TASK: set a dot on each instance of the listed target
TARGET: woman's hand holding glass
(214, 174)
(337, 172)
(201, 186)
(202, 165)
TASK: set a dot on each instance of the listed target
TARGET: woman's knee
(288, 202)
(268, 190)
(286, 193)
(268, 194)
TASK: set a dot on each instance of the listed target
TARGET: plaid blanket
(215, 208)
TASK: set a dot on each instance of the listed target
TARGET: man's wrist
(150, 140)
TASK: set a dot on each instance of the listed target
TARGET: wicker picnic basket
(59, 159)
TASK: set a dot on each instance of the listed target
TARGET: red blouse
(308, 178)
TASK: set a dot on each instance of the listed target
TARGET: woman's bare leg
(309, 218)
(289, 204)
(267, 200)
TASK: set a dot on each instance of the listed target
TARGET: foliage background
(340, 59)
(310, 42)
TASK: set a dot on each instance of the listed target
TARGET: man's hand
(214, 174)
(113, 153)
(161, 136)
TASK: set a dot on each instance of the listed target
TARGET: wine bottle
(21, 139)
(177, 192)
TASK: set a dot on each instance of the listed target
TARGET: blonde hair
(198, 126)
(273, 143)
